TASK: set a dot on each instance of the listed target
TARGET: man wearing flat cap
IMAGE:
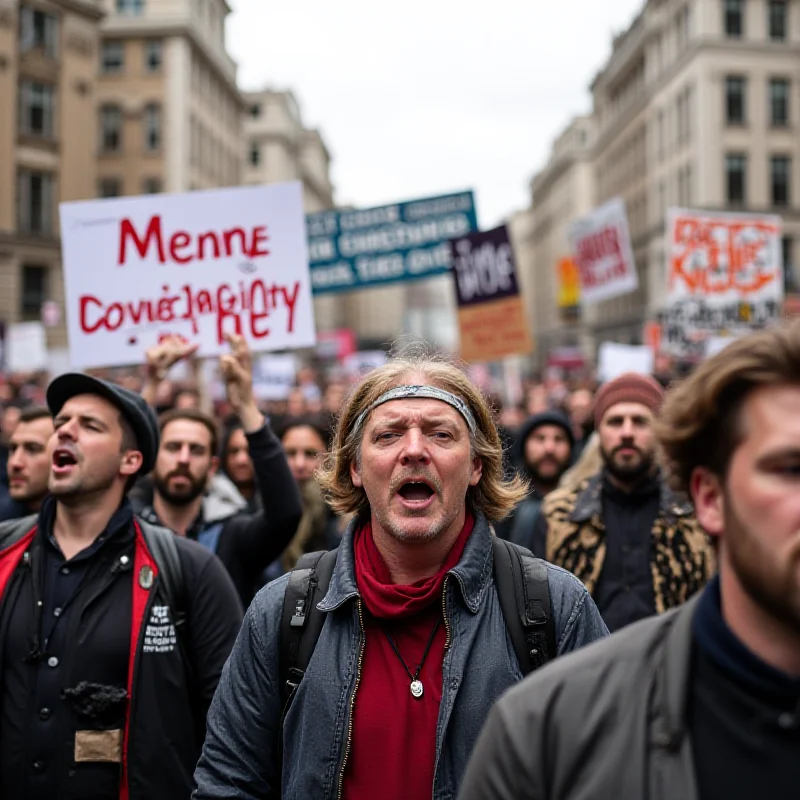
(635, 544)
(113, 632)
(414, 642)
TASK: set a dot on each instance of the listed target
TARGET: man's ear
(131, 463)
(477, 471)
(355, 474)
(709, 500)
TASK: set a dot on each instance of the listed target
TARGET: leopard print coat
(682, 559)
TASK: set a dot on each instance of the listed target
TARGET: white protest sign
(614, 359)
(601, 247)
(197, 265)
(274, 376)
(364, 361)
(26, 347)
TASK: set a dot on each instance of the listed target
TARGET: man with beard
(245, 543)
(544, 445)
(635, 544)
(28, 463)
(703, 702)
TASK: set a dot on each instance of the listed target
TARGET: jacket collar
(472, 571)
(589, 503)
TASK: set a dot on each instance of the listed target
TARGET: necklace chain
(415, 676)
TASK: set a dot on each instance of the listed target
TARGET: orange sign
(569, 283)
(493, 330)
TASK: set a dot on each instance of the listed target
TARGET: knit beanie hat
(628, 388)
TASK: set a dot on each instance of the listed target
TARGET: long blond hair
(494, 496)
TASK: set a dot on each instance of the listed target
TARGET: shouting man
(415, 647)
(702, 702)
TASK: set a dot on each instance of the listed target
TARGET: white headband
(425, 392)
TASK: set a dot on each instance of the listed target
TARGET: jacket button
(52, 661)
(38, 766)
(44, 713)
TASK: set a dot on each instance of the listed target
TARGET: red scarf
(393, 749)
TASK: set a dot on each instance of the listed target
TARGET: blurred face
(296, 405)
(304, 450)
(9, 421)
(537, 400)
(626, 441)
(238, 463)
(580, 406)
(756, 511)
(87, 458)
(185, 462)
(334, 397)
(547, 453)
(29, 461)
(416, 466)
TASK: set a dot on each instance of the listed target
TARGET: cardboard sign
(407, 241)
(614, 359)
(491, 316)
(601, 247)
(26, 347)
(724, 277)
(197, 265)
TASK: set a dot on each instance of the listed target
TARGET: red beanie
(628, 388)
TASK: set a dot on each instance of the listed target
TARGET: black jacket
(245, 543)
(170, 687)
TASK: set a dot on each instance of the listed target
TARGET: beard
(552, 473)
(770, 580)
(183, 496)
(627, 473)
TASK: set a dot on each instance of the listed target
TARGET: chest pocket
(209, 538)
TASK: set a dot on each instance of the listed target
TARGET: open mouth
(63, 461)
(416, 494)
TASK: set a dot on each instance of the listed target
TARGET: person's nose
(415, 447)
(15, 460)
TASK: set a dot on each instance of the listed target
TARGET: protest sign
(601, 247)
(360, 363)
(615, 359)
(196, 265)
(274, 376)
(491, 316)
(724, 277)
(378, 246)
(26, 347)
(569, 283)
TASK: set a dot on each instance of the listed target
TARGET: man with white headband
(368, 673)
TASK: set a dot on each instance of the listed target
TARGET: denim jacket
(242, 747)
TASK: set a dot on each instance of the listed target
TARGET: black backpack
(521, 584)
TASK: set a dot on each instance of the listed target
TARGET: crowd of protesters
(140, 516)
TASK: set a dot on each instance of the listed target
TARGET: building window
(736, 178)
(255, 154)
(152, 128)
(734, 18)
(151, 186)
(110, 129)
(34, 201)
(735, 105)
(779, 102)
(255, 110)
(112, 57)
(37, 109)
(38, 30)
(109, 187)
(777, 20)
(787, 248)
(780, 173)
(152, 55)
(133, 7)
(34, 291)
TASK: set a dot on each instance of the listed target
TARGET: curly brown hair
(494, 496)
(700, 423)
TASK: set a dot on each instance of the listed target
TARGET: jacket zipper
(349, 741)
(444, 613)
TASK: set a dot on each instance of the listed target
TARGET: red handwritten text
(252, 302)
(183, 247)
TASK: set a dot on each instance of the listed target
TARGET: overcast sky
(428, 97)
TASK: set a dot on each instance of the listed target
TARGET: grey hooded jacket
(242, 747)
(608, 722)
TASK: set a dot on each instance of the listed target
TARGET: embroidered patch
(97, 746)
(159, 635)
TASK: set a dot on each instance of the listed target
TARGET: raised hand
(165, 354)
(236, 368)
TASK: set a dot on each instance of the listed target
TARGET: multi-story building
(48, 66)
(698, 106)
(169, 114)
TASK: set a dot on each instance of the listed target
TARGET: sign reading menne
(376, 246)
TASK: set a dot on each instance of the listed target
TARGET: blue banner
(361, 248)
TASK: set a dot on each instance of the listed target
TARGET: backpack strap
(524, 595)
(301, 620)
(161, 543)
(12, 530)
